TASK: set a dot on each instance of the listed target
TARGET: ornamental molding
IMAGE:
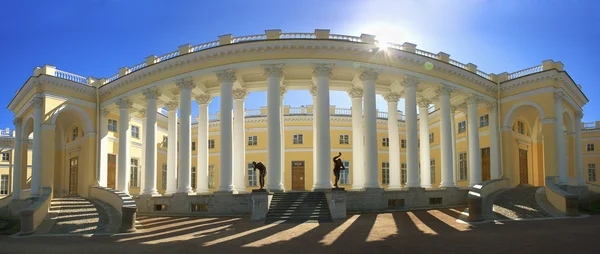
(172, 105)
(273, 70)
(185, 83)
(443, 89)
(550, 75)
(392, 97)
(301, 118)
(239, 94)
(203, 99)
(124, 103)
(313, 90)
(369, 74)
(142, 113)
(410, 82)
(473, 99)
(423, 102)
(226, 76)
(37, 102)
(151, 93)
(322, 70)
(356, 93)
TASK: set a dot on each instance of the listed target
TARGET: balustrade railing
(297, 36)
(204, 46)
(425, 53)
(344, 37)
(298, 111)
(458, 64)
(382, 115)
(6, 133)
(168, 56)
(525, 72)
(253, 112)
(483, 74)
(258, 37)
(589, 126)
(137, 67)
(70, 76)
(213, 117)
(342, 111)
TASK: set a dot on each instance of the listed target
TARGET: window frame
(385, 142)
(4, 184)
(75, 133)
(431, 137)
(136, 174)
(252, 141)
(211, 176)
(345, 174)
(297, 139)
(432, 170)
(164, 173)
(463, 128)
(193, 145)
(251, 176)
(592, 172)
(344, 139)
(463, 166)
(403, 143)
(520, 127)
(211, 144)
(7, 154)
(590, 147)
(135, 131)
(113, 125)
(484, 120)
(193, 178)
(385, 172)
(403, 173)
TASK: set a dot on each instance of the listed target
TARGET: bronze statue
(337, 166)
(263, 172)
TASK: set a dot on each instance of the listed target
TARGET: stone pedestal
(261, 199)
(337, 203)
(128, 215)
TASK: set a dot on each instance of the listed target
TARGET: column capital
(392, 97)
(356, 93)
(37, 102)
(282, 90)
(227, 75)
(273, 70)
(322, 70)
(142, 113)
(185, 83)
(151, 93)
(203, 98)
(578, 114)
(444, 89)
(453, 110)
(492, 107)
(369, 74)
(559, 96)
(104, 112)
(124, 103)
(423, 102)
(410, 81)
(172, 105)
(313, 90)
(17, 122)
(473, 99)
(239, 94)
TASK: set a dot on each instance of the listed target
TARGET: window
(345, 174)
(484, 120)
(193, 146)
(431, 137)
(164, 176)
(591, 172)
(75, 133)
(211, 176)
(194, 178)
(135, 131)
(521, 127)
(252, 140)
(211, 143)
(462, 166)
(590, 148)
(3, 184)
(462, 127)
(134, 174)
(298, 139)
(403, 143)
(252, 176)
(5, 156)
(165, 142)
(344, 139)
(385, 142)
(432, 169)
(112, 125)
(385, 173)
(403, 173)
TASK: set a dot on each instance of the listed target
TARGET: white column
(394, 146)
(36, 171)
(424, 147)
(185, 86)
(321, 73)
(151, 95)
(274, 72)
(202, 146)
(226, 78)
(453, 134)
(410, 90)
(16, 192)
(313, 92)
(494, 142)
(124, 155)
(578, 157)
(239, 126)
(560, 138)
(281, 128)
(446, 137)
(103, 153)
(142, 163)
(358, 163)
(368, 77)
(473, 133)
(172, 107)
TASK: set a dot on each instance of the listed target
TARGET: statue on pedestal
(338, 165)
(262, 172)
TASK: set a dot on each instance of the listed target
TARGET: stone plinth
(336, 200)
(261, 199)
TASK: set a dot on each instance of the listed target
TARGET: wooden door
(298, 175)
(112, 171)
(523, 177)
(485, 164)
(73, 176)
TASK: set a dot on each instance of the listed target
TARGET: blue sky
(97, 37)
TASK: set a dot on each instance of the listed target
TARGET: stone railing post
(150, 60)
(444, 57)
(48, 70)
(322, 34)
(225, 39)
(128, 214)
(184, 49)
(410, 47)
(273, 34)
(472, 67)
(123, 71)
(367, 38)
(475, 208)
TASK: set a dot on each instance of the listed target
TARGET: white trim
(509, 113)
(87, 122)
(524, 95)
(72, 100)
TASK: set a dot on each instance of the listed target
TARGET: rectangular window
(193, 146)
(344, 174)
(591, 172)
(164, 176)
(462, 166)
(462, 127)
(403, 143)
(252, 140)
(385, 173)
(385, 142)
(344, 139)
(521, 127)
(484, 120)
(194, 178)
(211, 143)
(3, 184)
(432, 169)
(135, 131)
(252, 176)
(590, 148)
(75, 133)
(5, 156)
(298, 139)
(211, 176)
(134, 174)
(112, 125)
(165, 141)
(403, 173)
(431, 137)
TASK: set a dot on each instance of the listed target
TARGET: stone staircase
(299, 207)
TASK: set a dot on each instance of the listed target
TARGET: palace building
(134, 133)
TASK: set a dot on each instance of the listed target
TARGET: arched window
(75, 133)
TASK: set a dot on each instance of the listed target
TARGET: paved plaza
(432, 231)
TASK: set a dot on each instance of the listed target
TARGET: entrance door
(485, 164)
(298, 175)
(112, 171)
(73, 176)
(523, 167)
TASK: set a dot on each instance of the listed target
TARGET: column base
(185, 190)
(448, 185)
(357, 188)
(170, 192)
(151, 192)
(394, 187)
